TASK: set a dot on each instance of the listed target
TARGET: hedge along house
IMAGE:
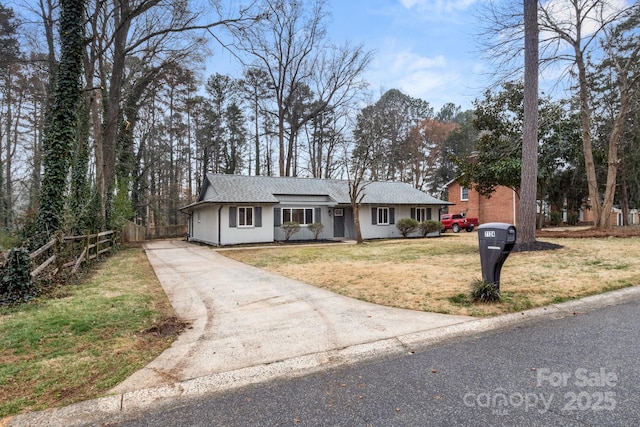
(236, 209)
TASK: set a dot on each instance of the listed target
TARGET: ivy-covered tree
(61, 135)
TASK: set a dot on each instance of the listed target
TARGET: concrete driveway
(242, 316)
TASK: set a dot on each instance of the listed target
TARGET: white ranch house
(235, 209)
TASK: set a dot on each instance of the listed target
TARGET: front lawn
(435, 274)
(86, 339)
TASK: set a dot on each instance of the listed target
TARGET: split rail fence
(63, 252)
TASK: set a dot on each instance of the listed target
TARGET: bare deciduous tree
(574, 32)
(289, 45)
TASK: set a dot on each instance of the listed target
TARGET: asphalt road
(579, 370)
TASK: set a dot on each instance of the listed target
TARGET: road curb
(125, 406)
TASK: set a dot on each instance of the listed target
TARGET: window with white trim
(303, 216)
(383, 216)
(245, 217)
(464, 193)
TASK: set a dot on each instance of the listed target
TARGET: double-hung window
(245, 216)
(464, 193)
(383, 216)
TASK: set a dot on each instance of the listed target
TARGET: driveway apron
(242, 316)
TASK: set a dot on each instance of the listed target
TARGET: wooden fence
(138, 233)
(63, 252)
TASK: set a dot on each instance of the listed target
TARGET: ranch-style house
(236, 209)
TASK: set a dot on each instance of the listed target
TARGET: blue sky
(425, 48)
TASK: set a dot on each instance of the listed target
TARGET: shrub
(316, 228)
(407, 226)
(16, 284)
(482, 291)
(556, 218)
(573, 218)
(430, 226)
(290, 228)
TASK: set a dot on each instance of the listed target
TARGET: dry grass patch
(436, 274)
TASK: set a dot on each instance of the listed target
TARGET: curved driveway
(242, 316)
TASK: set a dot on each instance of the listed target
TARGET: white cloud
(433, 79)
(438, 6)
(411, 62)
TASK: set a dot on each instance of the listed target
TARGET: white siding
(204, 225)
(371, 231)
(238, 235)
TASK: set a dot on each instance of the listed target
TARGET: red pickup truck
(457, 222)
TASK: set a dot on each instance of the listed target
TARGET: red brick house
(502, 206)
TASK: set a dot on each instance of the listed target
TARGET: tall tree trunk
(614, 141)
(281, 144)
(79, 187)
(624, 198)
(256, 111)
(60, 137)
(34, 189)
(529, 177)
(122, 23)
(6, 136)
(587, 147)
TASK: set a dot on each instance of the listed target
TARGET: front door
(338, 222)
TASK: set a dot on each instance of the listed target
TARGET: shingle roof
(264, 189)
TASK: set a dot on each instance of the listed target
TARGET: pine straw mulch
(575, 233)
(589, 232)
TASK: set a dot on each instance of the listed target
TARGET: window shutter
(392, 216)
(413, 213)
(257, 212)
(233, 210)
(374, 216)
(428, 213)
(276, 217)
(318, 214)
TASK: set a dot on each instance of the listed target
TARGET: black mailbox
(496, 242)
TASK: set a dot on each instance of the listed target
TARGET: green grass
(62, 350)
(460, 299)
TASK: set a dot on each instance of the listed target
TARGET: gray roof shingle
(263, 189)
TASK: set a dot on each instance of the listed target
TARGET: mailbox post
(496, 241)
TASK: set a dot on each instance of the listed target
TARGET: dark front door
(338, 222)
